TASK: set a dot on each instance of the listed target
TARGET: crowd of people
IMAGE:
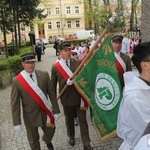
(34, 88)
(128, 43)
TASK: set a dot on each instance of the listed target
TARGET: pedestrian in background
(56, 43)
(31, 89)
(42, 47)
(61, 72)
(38, 51)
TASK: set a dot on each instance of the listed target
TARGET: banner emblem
(107, 91)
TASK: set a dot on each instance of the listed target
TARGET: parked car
(71, 37)
(52, 40)
(61, 38)
(45, 41)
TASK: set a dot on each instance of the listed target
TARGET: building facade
(64, 17)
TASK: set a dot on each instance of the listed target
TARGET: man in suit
(61, 72)
(32, 88)
(123, 60)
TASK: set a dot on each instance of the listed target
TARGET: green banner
(98, 82)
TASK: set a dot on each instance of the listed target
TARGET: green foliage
(11, 67)
(8, 69)
(3, 65)
(26, 49)
(76, 41)
(104, 17)
(14, 65)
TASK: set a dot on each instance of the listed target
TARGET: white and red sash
(38, 96)
(120, 64)
(67, 73)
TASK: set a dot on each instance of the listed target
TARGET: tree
(16, 12)
(4, 21)
(145, 21)
(133, 17)
(88, 13)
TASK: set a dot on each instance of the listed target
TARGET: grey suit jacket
(70, 97)
(33, 114)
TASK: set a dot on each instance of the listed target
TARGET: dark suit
(34, 116)
(127, 62)
(70, 100)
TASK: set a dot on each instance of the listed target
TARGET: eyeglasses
(117, 42)
(29, 62)
(67, 49)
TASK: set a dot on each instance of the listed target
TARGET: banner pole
(111, 22)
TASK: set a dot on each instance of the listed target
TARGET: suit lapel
(72, 65)
(38, 76)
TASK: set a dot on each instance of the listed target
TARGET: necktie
(67, 64)
(31, 76)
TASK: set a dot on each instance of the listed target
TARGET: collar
(34, 75)
(147, 82)
(118, 53)
(66, 60)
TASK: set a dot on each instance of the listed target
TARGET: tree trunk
(4, 34)
(132, 15)
(145, 26)
(90, 21)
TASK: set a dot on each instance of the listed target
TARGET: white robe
(134, 111)
(125, 45)
(144, 143)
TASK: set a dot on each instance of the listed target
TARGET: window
(49, 25)
(58, 25)
(57, 10)
(77, 24)
(48, 11)
(69, 24)
(68, 10)
(76, 9)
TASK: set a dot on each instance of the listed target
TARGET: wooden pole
(87, 57)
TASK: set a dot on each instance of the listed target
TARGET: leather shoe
(50, 146)
(88, 148)
(72, 141)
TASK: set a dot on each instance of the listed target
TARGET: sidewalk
(9, 140)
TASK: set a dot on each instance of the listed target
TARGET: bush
(14, 65)
(8, 69)
(11, 66)
(2, 50)
(3, 65)
(77, 41)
